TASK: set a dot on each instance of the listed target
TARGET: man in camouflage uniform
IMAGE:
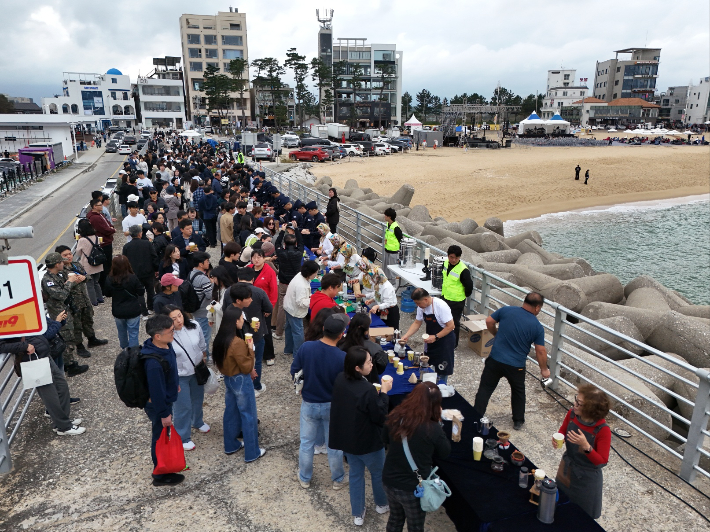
(56, 288)
(83, 309)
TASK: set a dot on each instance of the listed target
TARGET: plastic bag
(212, 384)
(169, 452)
(36, 373)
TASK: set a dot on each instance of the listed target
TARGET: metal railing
(20, 177)
(11, 403)
(581, 350)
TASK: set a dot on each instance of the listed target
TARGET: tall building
(632, 76)
(672, 104)
(562, 91)
(214, 40)
(161, 95)
(108, 97)
(697, 105)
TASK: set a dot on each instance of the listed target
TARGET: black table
(484, 500)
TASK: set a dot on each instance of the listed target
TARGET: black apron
(441, 352)
(585, 479)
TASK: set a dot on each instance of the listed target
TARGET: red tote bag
(169, 452)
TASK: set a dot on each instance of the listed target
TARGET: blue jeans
(206, 332)
(124, 210)
(294, 334)
(187, 410)
(358, 462)
(315, 417)
(258, 360)
(156, 431)
(240, 416)
(128, 331)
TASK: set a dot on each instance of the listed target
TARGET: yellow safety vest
(391, 242)
(452, 289)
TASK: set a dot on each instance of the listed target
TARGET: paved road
(53, 218)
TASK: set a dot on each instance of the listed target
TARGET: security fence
(19, 177)
(662, 397)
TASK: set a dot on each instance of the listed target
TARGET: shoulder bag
(202, 372)
(433, 491)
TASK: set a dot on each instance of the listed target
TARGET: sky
(448, 47)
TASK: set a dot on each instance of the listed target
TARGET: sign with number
(21, 305)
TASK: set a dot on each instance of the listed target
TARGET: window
(216, 65)
(232, 40)
(195, 66)
(677, 100)
(194, 53)
(605, 83)
(162, 106)
(113, 95)
(194, 26)
(614, 97)
(197, 84)
(581, 93)
(193, 38)
(616, 82)
(207, 27)
(235, 27)
(384, 55)
(125, 95)
(232, 54)
(680, 111)
(359, 55)
(606, 71)
(211, 53)
(618, 69)
(691, 105)
(566, 76)
(564, 93)
(565, 84)
(65, 109)
(210, 40)
(114, 80)
(74, 109)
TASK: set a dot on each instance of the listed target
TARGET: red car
(310, 153)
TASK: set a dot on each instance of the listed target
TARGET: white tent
(190, 133)
(413, 123)
(531, 122)
(557, 124)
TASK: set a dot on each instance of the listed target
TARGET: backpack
(191, 302)
(130, 377)
(96, 257)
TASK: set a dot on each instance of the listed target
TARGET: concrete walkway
(15, 205)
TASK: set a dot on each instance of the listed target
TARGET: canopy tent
(530, 123)
(413, 124)
(190, 133)
(557, 124)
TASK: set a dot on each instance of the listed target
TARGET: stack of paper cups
(477, 448)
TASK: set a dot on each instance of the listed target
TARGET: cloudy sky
(449, 47)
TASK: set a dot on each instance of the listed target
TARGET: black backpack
(130, 377)
(96, 257)
(190, 300)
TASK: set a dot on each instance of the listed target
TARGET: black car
(111, 148)
(129, 139)
(142, 142)
(368, 148)
(314, 141)
(357, 137)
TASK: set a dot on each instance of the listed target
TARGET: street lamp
(73, 136)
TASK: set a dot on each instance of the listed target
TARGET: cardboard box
(480, 339)
(387, 332)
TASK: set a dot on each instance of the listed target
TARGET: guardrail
(580, 351)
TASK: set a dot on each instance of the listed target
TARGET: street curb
(49, 193)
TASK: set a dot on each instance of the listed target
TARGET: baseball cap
(52, 259)
(259, 230)
(122, 172)
(169, 279)
(336, 323)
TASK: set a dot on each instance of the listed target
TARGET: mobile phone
(213, 302)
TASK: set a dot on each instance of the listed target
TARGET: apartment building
(633, 75)
(213, 41)
(161, 95)
(562, 91)
(697, 105)
(672, 103)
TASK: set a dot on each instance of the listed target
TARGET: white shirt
(129, 221)
(194, 343)
(439, 308)
(388, 296)
(145, 183)
(298, 296)
(327, 246)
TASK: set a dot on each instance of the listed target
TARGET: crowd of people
(218, 264)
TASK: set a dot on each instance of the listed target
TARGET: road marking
(71, 222)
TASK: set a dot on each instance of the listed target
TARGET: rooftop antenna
(326, 20)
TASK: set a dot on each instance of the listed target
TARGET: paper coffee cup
(425, 337)
(378, 387)
(77, 237)
(559, 440)
(477, 455)
(395, 361)
(386, 378)
(410, 355)
(478, 444)
(101, 240)
(255, 324)
(390, 356)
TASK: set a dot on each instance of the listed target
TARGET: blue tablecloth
(400, 383)
(376, 321)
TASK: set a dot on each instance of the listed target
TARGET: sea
(668, 240)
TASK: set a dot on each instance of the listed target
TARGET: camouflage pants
(83, 323)
(68, 334)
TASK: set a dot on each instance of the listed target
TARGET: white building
(161, 95)
(105, 97)
(19, 131)
(561, 91)
(697, 105)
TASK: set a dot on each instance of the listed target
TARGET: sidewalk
(19, 203)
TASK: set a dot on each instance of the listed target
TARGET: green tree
(406, 105)
(528, 104)
(505, 96)
(387, 73)
(299, 67)
(268, 77)
(356, 83)
(6, 106)
(310, 104)
(237, 68)
(217, 88)
(435, 107)
(322, 74)
(423, 104)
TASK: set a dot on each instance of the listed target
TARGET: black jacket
(161, 299)
(182, 264)
(290, 259)
(180, 244)
(41, 343)
(332, 213)
(160, 242)
(142, 256)
(357, 416)
(126, 297)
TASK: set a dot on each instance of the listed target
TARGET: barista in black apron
(441, 351)
(580, 479)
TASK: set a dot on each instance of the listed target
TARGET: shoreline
(659, 198)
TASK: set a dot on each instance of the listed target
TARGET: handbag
(433, 491)
(202, 372)
(169, 452)
(35, 372)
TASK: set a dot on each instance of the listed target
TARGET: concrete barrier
(404, 195)
(528, 246)
(533, 236)
(351, 183)
(529, 259)
(696, 311)
(468, 226)
(325, 180)
(419, 213)
(562, 292)
(604, 287)
(495, 225)
(645, 320)
(563, 272)
(642, 367)
(508, 256)
(646, 281)
(648, 298)
(620, 324)
(689, 337)
(586, 267)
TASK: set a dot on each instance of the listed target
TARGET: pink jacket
(83, 249)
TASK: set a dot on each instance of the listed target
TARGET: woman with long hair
(173, 263)
(127, 303)
(244, 230)
(359, 336)
(587, 444)
(270, 225)
(190, 349)
(221, 281)
(314, 331)
(87, 241)
(235, 360)
(416, 419)
(357, 415)
(332, 212)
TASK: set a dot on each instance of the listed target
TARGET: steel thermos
(437, 272)
(548, 499)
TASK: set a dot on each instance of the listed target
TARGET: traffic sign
(21, 305)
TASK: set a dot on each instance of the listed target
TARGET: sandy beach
(525, 182)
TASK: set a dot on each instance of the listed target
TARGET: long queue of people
(200, 204)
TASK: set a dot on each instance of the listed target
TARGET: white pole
(76, 153)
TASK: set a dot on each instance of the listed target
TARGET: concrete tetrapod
(689, 337)
(508, 256)
(533, 236)
(495, 225)
(648, 298)
(646, 281)
(647, 401)
(529, 259)
(697, 311)
(607, 348)
(604, 287)
(645, 320)
(404, 195)
(480, 243)
(586, 267)
(528, 246)
(419, 213)
(562, 292)
(468, 226)
(351, 183)
(563, 272)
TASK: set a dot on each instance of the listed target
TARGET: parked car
(142, 142)
(310, 153)
(263, 151)
(368, 148)
(333, 151)
(357, 136)
(290, 141)
(352, 149)
(394, 148)
(124, 149)
(111, 147)
(314, 141)
(382, 148)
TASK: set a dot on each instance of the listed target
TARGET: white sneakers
(276, 336)
(270, 362)
(304, 485)
(257, 393)
(204, 429)
(73, 431)
(340, 485)
(189, 446)
(382, 509)
(320, 449)
(360, 520)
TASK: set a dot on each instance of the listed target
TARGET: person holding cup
(588, 440)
